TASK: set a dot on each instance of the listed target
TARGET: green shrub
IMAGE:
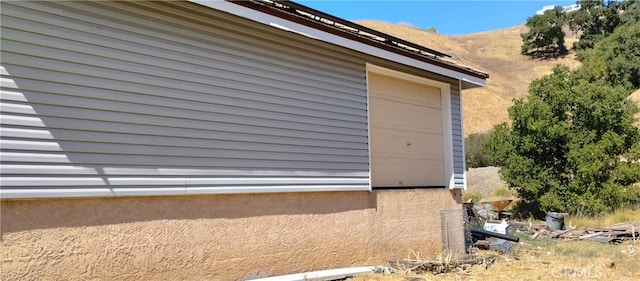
(473, 151)
(565, 145)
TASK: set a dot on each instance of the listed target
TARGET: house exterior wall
(137, 102)
(113, 99)
(219, 237)
(122, 104)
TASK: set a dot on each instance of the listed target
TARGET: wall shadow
(20, 215)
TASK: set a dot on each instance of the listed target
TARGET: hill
(494, 52)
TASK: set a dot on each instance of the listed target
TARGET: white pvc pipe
(330, 274)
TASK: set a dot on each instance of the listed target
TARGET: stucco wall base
(219, 237)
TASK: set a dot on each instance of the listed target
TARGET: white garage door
(406, 133)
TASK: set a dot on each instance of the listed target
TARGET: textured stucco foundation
(219, 237)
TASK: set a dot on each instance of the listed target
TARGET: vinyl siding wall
(143, 98)
(459, 169)
(159, 98)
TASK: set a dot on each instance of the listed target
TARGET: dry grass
(473, 196)
(618, 216)
(503, 191)
(485, 181)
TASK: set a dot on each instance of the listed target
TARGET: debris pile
(611, 234)
(485, 214)
(483, 232)
(488, 210)
(490, 238)
(443, 265)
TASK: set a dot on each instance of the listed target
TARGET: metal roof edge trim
(278, 22)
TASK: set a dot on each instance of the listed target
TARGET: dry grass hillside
(495, 52)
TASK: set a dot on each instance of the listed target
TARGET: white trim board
(464, 156)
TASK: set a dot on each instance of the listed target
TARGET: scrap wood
(587, 236)
(559, 233)
(627, 228)
(602, 239)
(535, 235)
(437, 267)
(597, 229)
(598, 237)
(618, 234)
(609, 234)
(631, 228)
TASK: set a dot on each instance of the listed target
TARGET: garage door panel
(390, 114)
(402, 90)
(406, 133)
(406, 144)
(402, 172)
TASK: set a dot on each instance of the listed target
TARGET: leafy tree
(594, 21)
(616, 58)
(590, 4)
(545, 36)
(571, 146)
(474, 154)
(630, 10)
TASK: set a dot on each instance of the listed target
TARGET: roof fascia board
(290, 26)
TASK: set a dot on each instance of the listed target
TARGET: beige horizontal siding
(406, 133)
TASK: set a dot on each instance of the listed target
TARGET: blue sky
(453, 17)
